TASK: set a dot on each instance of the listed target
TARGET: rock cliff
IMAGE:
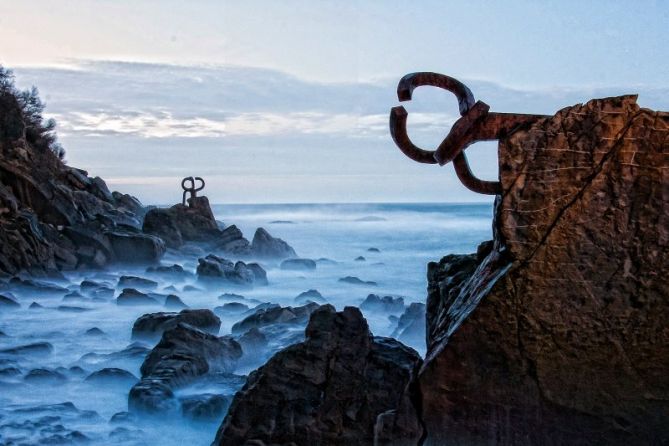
(556, 333)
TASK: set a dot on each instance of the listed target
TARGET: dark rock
(298, 265)
(329, 389)
(207, 407)
(136, 282)
(259, 274)
(266, 246)
(174, 302)
(213, 267)
(131, 247)
(231, 240)
(558, 335)
(151, 326)
(360, 259)
(231, 297)
(387, 304)
(35, 306)
(123, 417)
(130, 296)
(36, 348)
(87, 285)
(324, 261)
(373, 250)
(162, 223)
(111, 376)
(172, 270)
(10, 372)
(183, 354)
(254, 343)
(8, 301)
(310, 296)
(180, 223)
(275, 315)
(95, 331)
(74, 295)
(356, 281)
(72, 309)
(45, 376)
(411, 325)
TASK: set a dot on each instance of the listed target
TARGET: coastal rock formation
(152, 325)
(556, 333)
(266, 246)
(183, 354)
(180, 223)
(53, 216)
(215, 268)
(338, 387)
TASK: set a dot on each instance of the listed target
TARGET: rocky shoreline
(552, 333)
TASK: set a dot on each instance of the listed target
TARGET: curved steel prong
(198, 189)
(470, 181)
(398, 131)
(408, 84)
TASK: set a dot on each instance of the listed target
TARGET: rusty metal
(476, 123)
(192, 189)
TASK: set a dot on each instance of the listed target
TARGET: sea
(388, 244)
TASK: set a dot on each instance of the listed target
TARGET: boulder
(232, 241)
(7, 301)
(266, 246)
(180, 223)
(411, 325)
(136, 282)
(205, 408)
(557, 333)
(310, 296)
(174, 302)
(240, 274)
(183, 354)
(151, 326)
(131, 297)
(129, 247)
(162, 223)
(387, 304)
(275, 315)
(111, 376)
(352, 280)
(298, 265)
(330, 389)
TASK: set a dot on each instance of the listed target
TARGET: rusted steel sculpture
(475, 124)
(192, 189)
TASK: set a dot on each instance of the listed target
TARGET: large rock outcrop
(557, 333)
(341, 386)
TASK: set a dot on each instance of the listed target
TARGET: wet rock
(360, 259)
(324, 261)
(95, 331)
(231, 297)
(123, 417)
(89, 285)
(356, 281)
(206, 408)
(111, 376)
(411, 325)
(8, 301)
(151, 326)
(310, 296)
(129, 247)
(45, 376)
(180, 223)
(387, 304)
(174, 302)
(259, 274)
(36, 349)
(329, 389)
(72, 309)
(130, 297)
(35, 306)
(183, 354)
(266, 246)
(172, 270)
(298, 265)
(216, 268)
(558, 334)
(232, 308)
(74, 295)
(136, 282)
(10, 372)
(232, 241)
(36, 287)
(373, 250)
(162, 223)
(254, 343)
(275, 315)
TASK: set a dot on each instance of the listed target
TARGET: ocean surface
(34, 411)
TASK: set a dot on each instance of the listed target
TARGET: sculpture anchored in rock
(192, 189)
(475, 124)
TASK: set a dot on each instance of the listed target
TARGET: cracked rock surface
(558, 333)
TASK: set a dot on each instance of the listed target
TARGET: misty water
(64, 407)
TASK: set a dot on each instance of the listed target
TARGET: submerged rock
(183, 354)
(7, 300)
(266, 246)
(310, 296)
(275, 314)
(206, 407)
(329, 389)
(136, 282)
(130, 297)
(239, 274)
(356, 281)
(298, 265)
(411, 325)
(111, 376)
(151, 326)
(387, 304)
(36, 348)
(172, 301)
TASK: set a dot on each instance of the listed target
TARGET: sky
(288, 101)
